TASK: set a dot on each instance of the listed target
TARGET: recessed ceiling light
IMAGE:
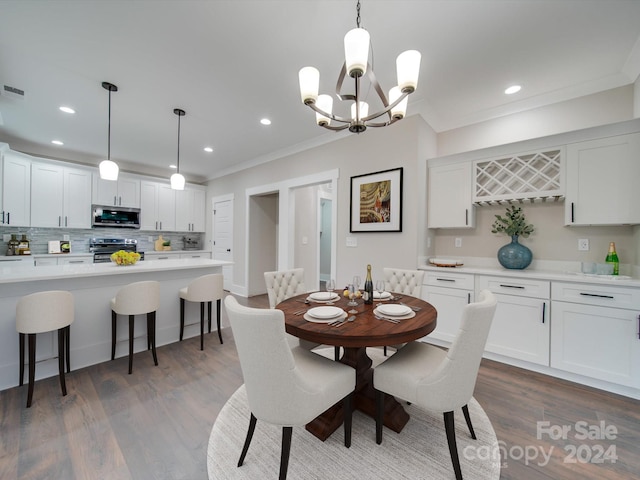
(172, 166)
(265, 121)
(208, 149)
(67, 109)
(512, 89)
(57, 142)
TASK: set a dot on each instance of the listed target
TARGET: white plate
(411, 314)
(381, 296)
(324, 296)
(309, 318)
(325, 312)
(394, 310)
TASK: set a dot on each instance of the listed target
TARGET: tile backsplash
(80, 238)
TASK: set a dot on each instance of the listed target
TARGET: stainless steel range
(102, 248)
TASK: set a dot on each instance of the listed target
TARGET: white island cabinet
(93, 286)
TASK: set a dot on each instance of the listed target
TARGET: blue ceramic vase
(514, 255)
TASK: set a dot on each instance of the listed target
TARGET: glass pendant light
(177, 180)
(108, 168)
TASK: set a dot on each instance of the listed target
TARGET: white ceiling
(229, 63)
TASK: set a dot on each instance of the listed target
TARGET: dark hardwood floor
(155, 423)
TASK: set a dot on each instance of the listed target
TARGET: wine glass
(380, 288)
(330, 285)
(352, 295)
(356, 282)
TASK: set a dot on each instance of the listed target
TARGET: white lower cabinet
(595, 332)
(196, 255)
(63, 260)
(449, 293)
(520, 327)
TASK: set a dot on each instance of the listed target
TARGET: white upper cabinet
(602, 181)
(190, 209)
(61, 196)
(16, 189)
(449, 196)
(125, 192)
(157, 206)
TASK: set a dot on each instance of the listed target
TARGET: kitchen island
(93, 286)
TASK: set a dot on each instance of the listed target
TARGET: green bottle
(612, 257)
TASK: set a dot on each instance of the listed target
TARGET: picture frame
(376, 202)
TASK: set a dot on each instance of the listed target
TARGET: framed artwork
(376, 202)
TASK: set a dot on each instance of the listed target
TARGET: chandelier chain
(358, 15)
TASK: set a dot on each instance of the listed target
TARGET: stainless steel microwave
(109, 216)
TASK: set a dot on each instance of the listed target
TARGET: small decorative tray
(445, 262)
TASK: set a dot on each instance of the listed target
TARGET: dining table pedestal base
(394, 417)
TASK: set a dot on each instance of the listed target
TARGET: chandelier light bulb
(356, 51)
(309, 78)
(400, 110)
(408, 69)
(364, 111)
(324, 103)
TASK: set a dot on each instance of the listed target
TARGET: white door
(223, 237)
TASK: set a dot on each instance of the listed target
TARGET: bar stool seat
(204, 289)
(137, 298)
(39, 313)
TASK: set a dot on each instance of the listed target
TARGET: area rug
(419, 452)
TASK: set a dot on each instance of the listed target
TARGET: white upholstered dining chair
(437, 379)
(285, 386)
(407, 282)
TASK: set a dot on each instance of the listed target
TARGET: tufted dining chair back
(408, 282)
(284, 284)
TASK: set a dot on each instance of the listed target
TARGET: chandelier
(177, 179)
(357, 66)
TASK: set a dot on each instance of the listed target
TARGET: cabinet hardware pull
(66, 220)
(638, 327)
(544, 308)
(160, 225)
(445, 280)
(511, 286)
(596, 295)
(156, 224)
(59, 220)
(3, 216)
(76, 261)
(572, 216)
(119, 201)
(468, 298)
(8, 218)
(466, 216)
(115, 202)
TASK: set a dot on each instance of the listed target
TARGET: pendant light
(177, 180)
(108, 168)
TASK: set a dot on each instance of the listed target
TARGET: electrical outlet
(458, 242)
(352, 242)
(66, 238)
(583, 244)
(150, 239)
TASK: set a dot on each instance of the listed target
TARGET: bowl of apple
(124, 258)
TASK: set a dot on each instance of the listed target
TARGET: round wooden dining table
(365, 330)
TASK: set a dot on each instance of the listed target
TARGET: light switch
(305, 240)
(352, 242)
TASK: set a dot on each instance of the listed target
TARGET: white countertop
(53, 272)
(550, 275)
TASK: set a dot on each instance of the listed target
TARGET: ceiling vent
(12, 92)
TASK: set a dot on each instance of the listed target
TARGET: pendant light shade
(177, 180)
(108, 168)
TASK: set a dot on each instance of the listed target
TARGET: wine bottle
(612, 257)
(368, 287)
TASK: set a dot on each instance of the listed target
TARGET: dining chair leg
(148, 332)
(181, 318)
(32, 367)
(467, 417)
(449, 426)
(209, 309)
(347, 408)
(384, 350)
(67, 342)
(218, 302)
(21, 339)
(247, 440)
(61, 349)
(286, 450)
(152, 324)
(202, 325)
(379, 415)
(130, 344)
(113, 334)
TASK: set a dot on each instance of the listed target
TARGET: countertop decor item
(122, 257)
(513, 255)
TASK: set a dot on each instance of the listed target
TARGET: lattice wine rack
(530, 177)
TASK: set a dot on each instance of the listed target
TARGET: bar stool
(206, 288)
(44, 312)
(137, 298)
